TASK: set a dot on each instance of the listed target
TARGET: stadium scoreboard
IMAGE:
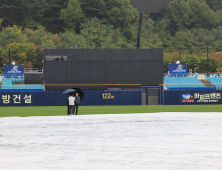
(96, 67)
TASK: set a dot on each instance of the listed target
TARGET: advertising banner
(13, 71)
(178, 69)
(201, 97)
(56, 98)
(189, 97)
(16, 99)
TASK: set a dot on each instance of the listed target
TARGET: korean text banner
(13, 71)
(56, 98)
(191, 97)
(178, 68)
(17, 99)
(207, 97)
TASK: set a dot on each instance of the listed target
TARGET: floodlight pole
(139, 30)
(207, 62)
(9, 56)
(38, 59)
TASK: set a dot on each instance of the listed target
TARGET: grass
(89, 110)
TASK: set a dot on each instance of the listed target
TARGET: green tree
(25, 13)
(187, 14)
(112, 12)
(93, 8)
(119, 13)
(177, 14)
(32, 13)
(201, 14)
(51, 18)
(21, 53)
(42, 38)
(10, 35)
(100, 36)
(95, 33)
(12, 12)
(215, 4)
(36, 36)
(116, 12)
(69, 39)
(1, 60)
(1, 20)
(149, 38)
(160, 27)
(35, 13)
(193, 63)
(72, 15)
(212, 65)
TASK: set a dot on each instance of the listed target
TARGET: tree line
(192, 25)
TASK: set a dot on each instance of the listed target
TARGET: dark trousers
(68, 109)
(76, 107)
(71, 107)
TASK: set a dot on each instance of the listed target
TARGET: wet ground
(152, 141)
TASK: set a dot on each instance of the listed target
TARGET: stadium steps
(207, 83)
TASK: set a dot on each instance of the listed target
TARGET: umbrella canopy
(79, 91)
(68, 91)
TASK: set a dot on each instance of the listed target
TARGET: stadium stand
(216, 81)
(187, 83)
(9, 84)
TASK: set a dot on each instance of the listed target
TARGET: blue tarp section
(56, 98)
(191, 97)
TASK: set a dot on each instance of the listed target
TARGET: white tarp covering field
(163, 141)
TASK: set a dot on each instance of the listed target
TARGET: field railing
(217, 86)
(11, 76)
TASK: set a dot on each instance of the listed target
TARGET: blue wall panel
(83, 102)
(129, 97)
(95, 98)
(123, 98)
(116, 95)
(89, 96)
(175, 96)
(32, 98)
(167, 97)
(60, 99)
(191, 97)
(56, 98)
(137, 98)
(46, 99)
(38, 99)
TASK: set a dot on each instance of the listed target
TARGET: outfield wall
(56, 98)
(123, 97)
(191, 97)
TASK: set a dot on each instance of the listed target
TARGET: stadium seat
(184, 83)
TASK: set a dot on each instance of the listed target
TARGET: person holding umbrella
(69, 92)
(77, 101)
